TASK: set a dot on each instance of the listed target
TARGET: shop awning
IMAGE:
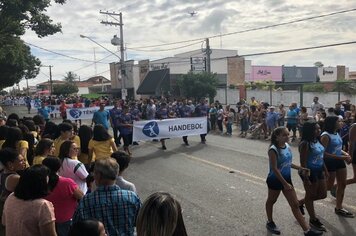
(151, 84)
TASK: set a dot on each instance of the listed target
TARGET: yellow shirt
(101, 149)
(38, 160)
(57, 145)
(22, 144)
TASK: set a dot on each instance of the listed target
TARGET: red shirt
(77, 105)
(63, 200)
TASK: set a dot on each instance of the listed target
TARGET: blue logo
(75, 113)
(151, 129)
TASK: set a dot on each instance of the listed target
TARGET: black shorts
(274, 184)
(292, 127)
(315, 175)
(354, 156)
(333, 164)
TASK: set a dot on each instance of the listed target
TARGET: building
(329, 74)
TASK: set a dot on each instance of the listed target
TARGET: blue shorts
(333, 164)
(274, 184)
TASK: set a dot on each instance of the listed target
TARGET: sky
(153, 22)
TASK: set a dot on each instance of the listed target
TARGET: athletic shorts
(292, 127)
(274, 184)
(333, 164)
(315, 175)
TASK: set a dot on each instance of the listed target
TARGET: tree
(65, 89)
(71, 77)
(318, 64)
(16, 61)
(198, 85)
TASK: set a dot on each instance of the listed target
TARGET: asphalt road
(221, 186)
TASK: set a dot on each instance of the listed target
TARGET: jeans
(62, 229)
(229, 128)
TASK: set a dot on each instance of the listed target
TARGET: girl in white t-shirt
(70, 167)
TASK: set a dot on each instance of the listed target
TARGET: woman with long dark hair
(44, 148)
(85, 134)
(279, 180)
(15, 140)
(70, 167)
(25, 211)
(64, 195)
(102, 144)
(335, 159)
(312, 157)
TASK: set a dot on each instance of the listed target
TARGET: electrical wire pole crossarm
(122, 60)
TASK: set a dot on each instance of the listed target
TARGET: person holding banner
(115, 114)
(185, 111)
(201, 110)
(126, 119)
(162, 113)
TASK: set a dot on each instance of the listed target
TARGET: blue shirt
(316, 156)
(101, 117)
(334, 145)
(115, 114)
(284, 161)
(292, 116)
(116, 208)
(44, 112)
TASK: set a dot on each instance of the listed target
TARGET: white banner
(83, 113)
(169, 128)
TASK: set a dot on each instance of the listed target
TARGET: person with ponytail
(279, 180)
(312, 157)
(64, 195)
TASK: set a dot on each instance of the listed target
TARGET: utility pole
(122, 49)
(208, 52)
(50, 80)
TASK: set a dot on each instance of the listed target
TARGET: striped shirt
(116, 208)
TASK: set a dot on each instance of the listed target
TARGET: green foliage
(260, 85)
(16, 61)
(65, 89)
(318, 64)
(314, 87)
(71, 77)
(345, 86)
(198, 85)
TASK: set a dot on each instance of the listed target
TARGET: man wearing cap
(271, 119)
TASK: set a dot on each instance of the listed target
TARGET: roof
(152, 82)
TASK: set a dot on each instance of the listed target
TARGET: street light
(83, 36)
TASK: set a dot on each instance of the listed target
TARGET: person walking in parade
(115, 114)
(185, 112)
(335, 159)
(201, 110)
(279, 180)
(312, 157)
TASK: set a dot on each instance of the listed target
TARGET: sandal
(343, 212)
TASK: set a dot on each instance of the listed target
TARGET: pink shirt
(63, 200)
(25, 217)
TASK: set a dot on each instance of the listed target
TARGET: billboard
(295, 74)
(260, 73)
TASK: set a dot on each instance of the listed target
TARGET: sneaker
(135, 143)
(333, 191)
(164, 147)
(343, 212)
(301, 208)
(186, 143)
(316, 224)
(313, 232)
(272, 227)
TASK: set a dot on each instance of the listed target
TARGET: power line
(161, 50)
(92, 63)
(61, 54)
(250, 30)
(292, 50)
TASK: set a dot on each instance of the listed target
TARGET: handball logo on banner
(151, 129)
(75, 113)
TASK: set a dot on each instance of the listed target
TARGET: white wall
(83, 90)
(283, 97)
